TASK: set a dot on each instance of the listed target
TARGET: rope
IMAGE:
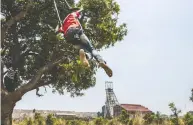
(67, 4)
(60, 21)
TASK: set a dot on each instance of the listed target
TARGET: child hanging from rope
(73, 33)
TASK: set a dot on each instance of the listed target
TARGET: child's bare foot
(83, 58)
(106, 68)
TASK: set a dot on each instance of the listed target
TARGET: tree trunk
(8, 101)
(7, 120)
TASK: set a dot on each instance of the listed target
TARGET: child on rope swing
(73, 33)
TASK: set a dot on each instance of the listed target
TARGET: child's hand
(60, 36)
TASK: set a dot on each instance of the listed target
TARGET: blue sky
(152, 66)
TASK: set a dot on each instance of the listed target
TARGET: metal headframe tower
(111, 100)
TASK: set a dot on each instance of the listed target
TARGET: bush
(73, 122)
(50, 120)
(27, 121)
(39, 120)
(113, 122)
(100, 121)
(138, 120)
(30, 121)
(124, 117)
(149, 118)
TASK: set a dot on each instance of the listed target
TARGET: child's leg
(86, 44)
(76, 37)
(73, 37)
(83, 58)
(84, 41)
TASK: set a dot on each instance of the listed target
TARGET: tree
(159, 118)
(32, 56)
(188, 119)
(175, 115)
(191, 98)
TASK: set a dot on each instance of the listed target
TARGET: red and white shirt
(71, 20)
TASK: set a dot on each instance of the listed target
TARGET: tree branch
(37, 92)
(34, 83)
(13, 20)
(37, 89)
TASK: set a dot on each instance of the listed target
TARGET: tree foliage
(191, 97)
(38, 58)
(175, 113)
(188, 119)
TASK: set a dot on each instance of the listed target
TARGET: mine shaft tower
(111, 100)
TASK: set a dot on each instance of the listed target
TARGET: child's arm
(80, 10)
(77, 12)
(58, 30)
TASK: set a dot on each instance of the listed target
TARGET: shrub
(73, 122)
(50, 120)
(38, 119)
(138, 120)
(27, 121)
(100, 121)
(113, 122)
(124, 117)
(149, 118)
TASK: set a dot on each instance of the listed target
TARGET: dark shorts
(73, 35)
(76, 37)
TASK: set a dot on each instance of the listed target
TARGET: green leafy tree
(37, 58)
(191, 98)
(34, 110)
(175, 113)
(188, 119)
(158, 118)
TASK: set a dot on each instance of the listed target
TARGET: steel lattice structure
(111, 99)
